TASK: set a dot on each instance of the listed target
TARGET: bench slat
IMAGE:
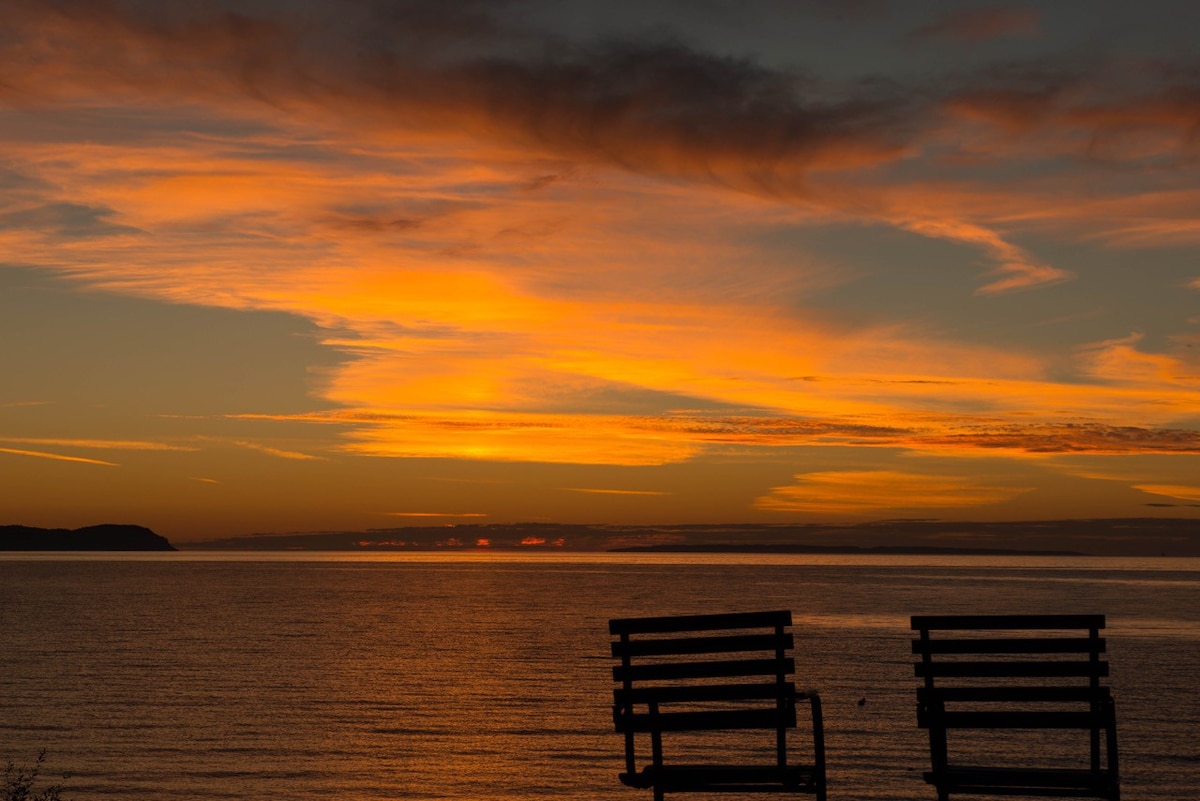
(701, 693)
(702, 645)
(1009, 720)
(732, 668)
(930, 695)
(1016, 622)
(706, 721)
(1012, 645)
(1022, 669)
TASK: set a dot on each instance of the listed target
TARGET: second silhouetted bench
(1009, 676)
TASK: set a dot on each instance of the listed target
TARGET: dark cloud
(68, 220)
(1033, 438)
(661, 106)
(369, 224)
(1018, 96)
(1065, 438)
(1074, 438)
(653, 105)
(1086, 89)
(12, 179)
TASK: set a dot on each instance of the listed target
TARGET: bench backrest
(703, 672)
(1011, 672)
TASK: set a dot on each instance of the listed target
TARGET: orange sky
(306, 266)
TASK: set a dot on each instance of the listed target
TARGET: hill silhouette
(106, 537)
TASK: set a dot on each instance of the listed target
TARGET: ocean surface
(305, 676)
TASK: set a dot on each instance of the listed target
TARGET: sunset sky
(281, 266)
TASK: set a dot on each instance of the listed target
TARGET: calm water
(206, 676)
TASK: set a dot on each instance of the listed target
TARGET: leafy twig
(19, 782)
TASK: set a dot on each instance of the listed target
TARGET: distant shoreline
(883, 550)
(1073, 538)
(1121, 537)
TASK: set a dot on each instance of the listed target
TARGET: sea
(299, 675)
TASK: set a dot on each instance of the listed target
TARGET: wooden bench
(703, 676)
(1015, 674)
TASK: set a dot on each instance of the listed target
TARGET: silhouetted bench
(1018, 673)
(694, 679)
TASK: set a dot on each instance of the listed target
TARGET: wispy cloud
(677, 437)
(435, 514)
(876, 491)
(57, 457)
(1121, 361)
(282, 454)
(1181, 491)
(1018, 270)
(595, 491)
(100, 444)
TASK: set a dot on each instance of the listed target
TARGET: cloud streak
(278, 452)
(59, 457)
(667, 438)
(100, 444)
(595, 491)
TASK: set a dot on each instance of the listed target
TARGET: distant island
(106, 537)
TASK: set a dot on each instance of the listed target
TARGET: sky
(293, 266)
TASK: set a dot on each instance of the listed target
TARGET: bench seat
(1011, 675)
(724, 778)
(1064, 782)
